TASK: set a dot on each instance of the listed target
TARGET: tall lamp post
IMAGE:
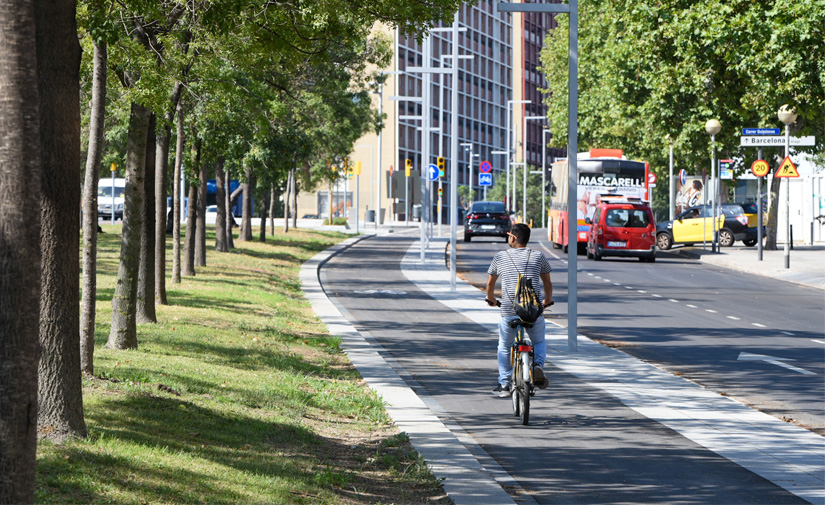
(524, 159)
(544, 133)
(713, 127)
(511, 149)
(787, 116)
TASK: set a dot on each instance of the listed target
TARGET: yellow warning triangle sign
(787, 169)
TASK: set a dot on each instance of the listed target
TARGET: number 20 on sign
(760, 168)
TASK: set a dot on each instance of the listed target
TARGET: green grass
(237, 395)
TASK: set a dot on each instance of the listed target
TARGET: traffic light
(348, 169)
(408, 167)
(357, 168)
(441, 167)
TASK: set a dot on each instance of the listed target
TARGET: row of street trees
(263, 92)
(652, 73)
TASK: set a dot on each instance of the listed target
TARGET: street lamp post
(713, 127)
(510, 142)
(468, 148)
(524, 159)
(671, 184)
(544, 133)
(787, 116)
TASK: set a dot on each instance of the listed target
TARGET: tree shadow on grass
(137, 441)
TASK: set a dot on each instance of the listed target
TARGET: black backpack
(526, 303)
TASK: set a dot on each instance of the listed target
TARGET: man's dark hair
(522, 233)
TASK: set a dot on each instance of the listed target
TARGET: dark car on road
(486, 219)
(696, 224)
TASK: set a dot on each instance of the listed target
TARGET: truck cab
(110, 198)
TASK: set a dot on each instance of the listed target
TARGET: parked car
(752, 213)
(106, 203)
(696, 225)
(486, 219)
(622, 227)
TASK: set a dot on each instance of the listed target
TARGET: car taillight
(742, 219)
(472, 216)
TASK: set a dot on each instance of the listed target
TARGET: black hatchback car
(486, 219)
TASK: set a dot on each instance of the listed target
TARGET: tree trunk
(287, 200)
(161, 182)
(176, 196)
(246, 216)
(60, 396)
(294, 201)
(93, 158)
(20, 250)
(772, 226)
(272, 209)
(264, 209)
(192, 220)
(221, 244)
(146, 272)
(230, 217)
(200, 229)
(123, 334)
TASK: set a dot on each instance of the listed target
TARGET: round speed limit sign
(760, 168)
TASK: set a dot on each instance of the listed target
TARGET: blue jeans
(506, 336)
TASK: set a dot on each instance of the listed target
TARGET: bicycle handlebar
(497, 303)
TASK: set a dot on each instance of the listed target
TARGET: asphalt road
(582, 446)
(713, 325)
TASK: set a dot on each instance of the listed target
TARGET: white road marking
(787, 333)
(734, 318)
(759, 325)
(711, 311)
(672, 300)
(642, 291)
(745, 356)
(817, 341)
(656, 296)
(692, 306)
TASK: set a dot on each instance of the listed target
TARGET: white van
(105, 202)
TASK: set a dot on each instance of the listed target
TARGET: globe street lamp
(713, 127)
(787, 116)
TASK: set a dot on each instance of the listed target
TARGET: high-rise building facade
(498, 70)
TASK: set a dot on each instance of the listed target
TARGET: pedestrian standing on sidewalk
(519, 259)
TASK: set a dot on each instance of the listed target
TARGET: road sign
(764, 140)
(787, 169)
(724, 169)
(761, 131)
(683, 176)
(485, 167)
(485, 179)
(651, 179)
(432, 173)
(760, 168)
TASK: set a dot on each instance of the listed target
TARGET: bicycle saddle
(518, 322)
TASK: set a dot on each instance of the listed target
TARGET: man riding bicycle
(519, 259)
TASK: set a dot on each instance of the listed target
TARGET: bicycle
(521, 380)
(522, 358)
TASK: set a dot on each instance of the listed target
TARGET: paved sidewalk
(807, 263)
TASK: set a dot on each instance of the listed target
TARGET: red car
(622, 227)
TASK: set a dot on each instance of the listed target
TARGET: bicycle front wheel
(515, 387)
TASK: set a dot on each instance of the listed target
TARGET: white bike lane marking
(789, 456)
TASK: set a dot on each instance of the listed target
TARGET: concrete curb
(464, 479)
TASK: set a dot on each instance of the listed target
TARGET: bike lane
(583, 444)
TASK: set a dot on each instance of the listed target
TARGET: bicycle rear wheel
(524, 408)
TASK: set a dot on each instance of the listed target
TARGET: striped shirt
(507, 265)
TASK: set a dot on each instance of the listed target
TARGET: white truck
(110, 193)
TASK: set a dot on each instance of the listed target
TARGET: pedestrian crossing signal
(441, 166)
(408, 167)
(787, 169)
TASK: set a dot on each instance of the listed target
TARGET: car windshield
(488, 207)
(107, 191)
(627, 218)
(750, 208)
(733, 210)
